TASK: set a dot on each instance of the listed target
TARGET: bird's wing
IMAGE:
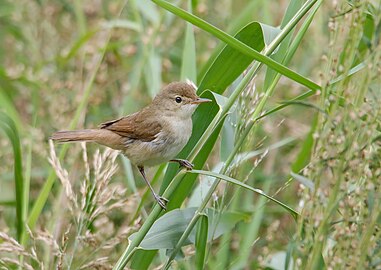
(135, 126)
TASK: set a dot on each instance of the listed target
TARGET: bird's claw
(186, 164)
(183, 163)
(162, 202)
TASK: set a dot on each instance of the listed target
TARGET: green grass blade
(215, 85)
(239, 183)
(291, 51)
(243, 19)
(7, 203)
(269, 51)
(9, 128)
(305, 152)
(282, 50)
(167, 230)
(351, 72)
(238, 45)
(201, 241)
(7, 106)
(172, 187)
(230, 63)
(284, 105)
(78, 44)
(218, 224)
(188, 65)
(142, 259)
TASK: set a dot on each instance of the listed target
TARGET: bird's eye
(178, 99)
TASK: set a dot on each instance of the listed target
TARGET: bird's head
(179, 98)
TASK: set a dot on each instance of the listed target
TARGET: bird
(151, 136)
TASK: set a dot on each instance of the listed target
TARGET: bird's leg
(183, 163)
(160, 200)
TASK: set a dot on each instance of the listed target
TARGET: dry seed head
(11, 246)
(9, 262)
(99, 263)
(63, 175)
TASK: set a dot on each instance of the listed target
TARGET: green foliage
(239, 183)
(8, 127)
(167, 230)
(294, 119)
(201, 241)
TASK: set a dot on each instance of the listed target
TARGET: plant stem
(251, 73)
(256, 113)
(238, 45)
(126, 256)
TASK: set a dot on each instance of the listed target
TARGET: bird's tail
(88, 135)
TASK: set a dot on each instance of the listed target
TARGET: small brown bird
(153, 135)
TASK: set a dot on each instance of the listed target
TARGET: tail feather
(75, 135)
(100, 136)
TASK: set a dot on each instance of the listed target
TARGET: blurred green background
(75, 64)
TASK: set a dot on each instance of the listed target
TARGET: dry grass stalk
(90, 210)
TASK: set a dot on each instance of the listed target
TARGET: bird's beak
(201, 100)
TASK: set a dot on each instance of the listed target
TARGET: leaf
(6, 104)
(78, 44)
(9, 128)
(220, 223)
(142, 259)
(239, 183)
(201, 241)
(167, 230)
(291, 51)
(291, 246)
(227, 138)
(243, 18)
(304, 181)
(305, 152)
(238, 45)
(366, 39)
(279, 55)
(230, 63)
(351, 72)
(188, 65)
(130, 179)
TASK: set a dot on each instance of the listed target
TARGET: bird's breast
(176, 134)
(168, 143)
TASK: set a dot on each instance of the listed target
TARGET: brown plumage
(151, 136)
(135, 126)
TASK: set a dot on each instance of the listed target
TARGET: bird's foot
(184, 163)
(162, 202)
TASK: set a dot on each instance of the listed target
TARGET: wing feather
(135, 126)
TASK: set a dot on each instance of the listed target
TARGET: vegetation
(287, 158)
